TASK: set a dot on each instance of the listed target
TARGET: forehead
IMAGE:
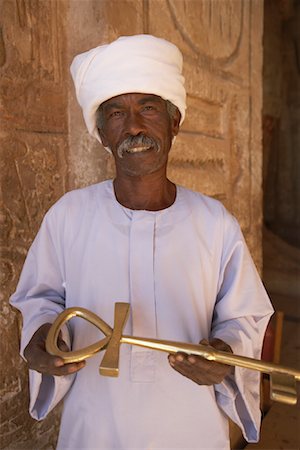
(132, 97)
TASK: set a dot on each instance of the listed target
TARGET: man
(176, 256)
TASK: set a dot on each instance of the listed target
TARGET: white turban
(132, 64)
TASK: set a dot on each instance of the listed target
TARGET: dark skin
(38, 359)
(141, 183)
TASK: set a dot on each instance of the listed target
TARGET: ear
(175, 123)
(102, 137)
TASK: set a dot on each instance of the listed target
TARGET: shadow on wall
(281, 119)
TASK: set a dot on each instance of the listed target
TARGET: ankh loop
(282, 379)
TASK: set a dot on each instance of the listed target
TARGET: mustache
(141, 140)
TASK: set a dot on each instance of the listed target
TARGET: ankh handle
(283, 379)
(83, 353)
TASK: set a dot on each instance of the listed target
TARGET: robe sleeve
(241, 315)
(40, 297)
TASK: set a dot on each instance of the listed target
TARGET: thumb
(61, 344)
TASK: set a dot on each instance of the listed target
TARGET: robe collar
(119, 214)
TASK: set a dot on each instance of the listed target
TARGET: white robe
(188, 275)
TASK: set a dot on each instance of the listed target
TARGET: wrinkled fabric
(188, 275)
(131, 64)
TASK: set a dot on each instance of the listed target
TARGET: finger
(68, 369)
(43, 362)
(199, 364)
(62, 345)
(171, 359)
(218, 344)
(202, 372)
(189, 371)
(178, 357)
(60, 370)
(192, 359)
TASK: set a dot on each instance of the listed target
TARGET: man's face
(139, 131)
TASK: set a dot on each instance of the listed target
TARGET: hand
(38, 359)
(199, 369)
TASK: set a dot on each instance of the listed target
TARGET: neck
(151, 192)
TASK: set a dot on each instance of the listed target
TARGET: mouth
(138, 149)
(135, 145)
(134, 150)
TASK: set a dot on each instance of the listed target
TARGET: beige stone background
(46, 150)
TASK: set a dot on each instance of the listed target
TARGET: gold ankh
(283, 379)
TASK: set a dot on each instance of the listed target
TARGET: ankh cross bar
(283, 379)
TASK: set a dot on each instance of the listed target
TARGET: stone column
(34, 147)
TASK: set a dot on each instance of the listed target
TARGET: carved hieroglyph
(212, 151)
(33, 176)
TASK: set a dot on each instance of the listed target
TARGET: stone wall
(34, 149)
(46, 149)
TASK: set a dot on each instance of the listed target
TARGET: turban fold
(131, 64)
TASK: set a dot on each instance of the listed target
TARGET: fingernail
(171, 360)
(58, 363)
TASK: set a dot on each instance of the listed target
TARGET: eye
(116, 114)
(149, 108)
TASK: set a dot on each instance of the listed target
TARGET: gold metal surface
(283, 388)
(110, 363)
(84, 353)
(283, 379)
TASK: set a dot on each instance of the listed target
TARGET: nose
(134, 124)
